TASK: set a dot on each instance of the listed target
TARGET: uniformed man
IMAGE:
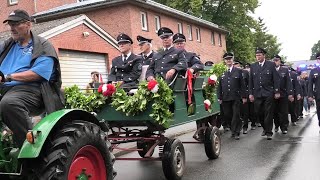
(264, 87)
(194, 63)
(230, 90)
(280, 115)
(314, 87)
(146, 49)
(244, 110)
(250, 106)
(169, 61)
(126, 68)
(293, 106)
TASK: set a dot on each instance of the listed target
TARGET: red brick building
(84, 41)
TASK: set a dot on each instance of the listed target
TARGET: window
(198, 34)
(219, 40)
(180, 28)
(189, 32)
(213, 42)
(12, 2)
(157, 21)
(144, 24)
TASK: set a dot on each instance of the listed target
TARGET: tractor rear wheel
(78, 150)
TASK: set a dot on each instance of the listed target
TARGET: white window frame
(198, 34)
(220, 40)
(180, 28)
(144, 22)
(213, 41)
(189, 29)
(13, 2)
(157, 23)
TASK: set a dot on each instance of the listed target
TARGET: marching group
(265, 92)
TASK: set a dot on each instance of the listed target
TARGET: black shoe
(285, 132)
(232, 135)
(226, 129)
(259, 125)
(263, 133)
(294, 124)
(276, 129)
(269, 137)
(253, 127)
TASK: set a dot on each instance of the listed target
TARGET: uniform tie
(124, 57)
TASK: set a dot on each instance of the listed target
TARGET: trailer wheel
(145, 146)
(212, 142)
(173, 159)
(78, 150)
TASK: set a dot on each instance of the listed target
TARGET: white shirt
(261, 64)
(277, 68)
(128, 55)
(230, 68)
(147, 54)
(167, 48)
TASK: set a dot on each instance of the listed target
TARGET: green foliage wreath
(132, 105)
(210, 89)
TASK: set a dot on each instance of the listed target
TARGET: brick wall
(31, 6)
(92, 43)
(43, 5)
(6, 9)
(127, 19)
(204, 48)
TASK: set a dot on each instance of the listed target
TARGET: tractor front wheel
(78, 150)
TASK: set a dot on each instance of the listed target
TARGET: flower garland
(210, 87)
(156, 91)
(75, 99)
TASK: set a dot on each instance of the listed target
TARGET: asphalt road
(295, 156)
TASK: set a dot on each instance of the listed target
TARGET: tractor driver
(27, 62)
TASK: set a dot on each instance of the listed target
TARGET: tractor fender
(54, 120)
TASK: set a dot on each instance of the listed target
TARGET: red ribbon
(189, 86)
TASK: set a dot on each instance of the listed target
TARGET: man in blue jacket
(27, 61)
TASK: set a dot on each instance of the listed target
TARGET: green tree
(265, 40)
(314, 50)
(193, 7)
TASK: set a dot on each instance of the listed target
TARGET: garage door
(76, 67)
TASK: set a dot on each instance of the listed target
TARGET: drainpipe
(35, 6)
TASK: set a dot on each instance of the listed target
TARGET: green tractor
(67, 144)
(77, 145)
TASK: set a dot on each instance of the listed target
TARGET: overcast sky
(295, 23)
